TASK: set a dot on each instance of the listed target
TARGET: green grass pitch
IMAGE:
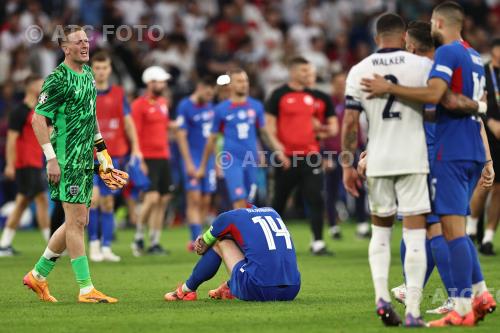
(336, 294)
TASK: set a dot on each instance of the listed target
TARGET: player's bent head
(449, 13)
(74, 43)
(418, 37)
(205, 89)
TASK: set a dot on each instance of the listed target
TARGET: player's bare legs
(156, 223)
(148, 203)
(206, 201)
(12, 222)
(76, 220)
(95, 253)
(194, 213)
(229, 252)
(477, 205)
(42, 214)
(493, 213)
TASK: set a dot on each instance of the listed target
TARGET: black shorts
(31, 181)
(495, 157)
(160, 175)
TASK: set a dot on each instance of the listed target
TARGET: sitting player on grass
(259, 255)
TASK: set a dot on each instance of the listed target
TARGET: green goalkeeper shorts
(75, 186)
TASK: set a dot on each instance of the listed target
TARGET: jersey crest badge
(74, 189)
(43, 98)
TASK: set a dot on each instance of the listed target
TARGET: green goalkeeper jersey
(68, 98)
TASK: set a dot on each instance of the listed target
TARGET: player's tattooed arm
(351, 179)
(349, 136)
(460, 104)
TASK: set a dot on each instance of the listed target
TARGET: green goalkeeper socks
(43, 267)
(81, 268)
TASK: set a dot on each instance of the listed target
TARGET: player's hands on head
(200, 246)
(10, 172)
(362, 165)
(488, 175)
(53, 171)
(113, 178)
(352, 181)
(375, 87)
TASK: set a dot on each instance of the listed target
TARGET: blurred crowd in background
(206, 37)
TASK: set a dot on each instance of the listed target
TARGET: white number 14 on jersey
(269, 226)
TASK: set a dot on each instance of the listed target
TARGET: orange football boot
(41, 288)
(95, 296)
(223, 292)
(454, 319)
(483, 305)
(179, 295)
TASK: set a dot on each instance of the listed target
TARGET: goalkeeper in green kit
(68, 100)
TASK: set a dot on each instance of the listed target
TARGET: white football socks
(471, 226)
(46, 234)
(479, 288)
(488, 236)
(7, 237)
(415, 266)
(463, 305)
(379, 256)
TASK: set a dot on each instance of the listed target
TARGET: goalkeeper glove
(102, 154)
(113, 178)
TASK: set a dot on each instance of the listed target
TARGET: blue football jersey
(239, 123)
(197, 121)
(458, 137)
(267, 245)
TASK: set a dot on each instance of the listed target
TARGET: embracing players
(194, 120)
(68, 99)
(397, 168)
(259, 255)
(462, 156)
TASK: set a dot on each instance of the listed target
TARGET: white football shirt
(396, 137)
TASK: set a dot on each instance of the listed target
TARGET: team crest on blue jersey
(251, 113)
(242, 114)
